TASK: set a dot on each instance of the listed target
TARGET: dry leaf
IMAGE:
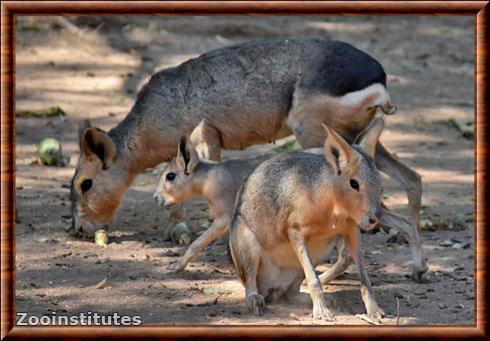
(366, 318)
(102, 284)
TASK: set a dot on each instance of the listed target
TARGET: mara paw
(176, 267)
(321, 312)
(376, 314)
(419, 271)
(256, 303)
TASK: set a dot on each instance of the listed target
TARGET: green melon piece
(100, 238)
(180, 234)
(50, 151)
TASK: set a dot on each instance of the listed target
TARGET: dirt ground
(96, 75)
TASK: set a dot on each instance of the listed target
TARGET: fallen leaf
(100, 238)
(211, 291)
(218, 270)
(466, 128)
(368, 319)
(102, 284)
(446, 243)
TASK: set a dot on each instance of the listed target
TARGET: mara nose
(372, 221)
(159, 199)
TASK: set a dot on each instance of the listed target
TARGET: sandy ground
(97, 74)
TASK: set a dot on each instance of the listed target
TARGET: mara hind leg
(411, 233)
(305, 118)
(407, 177)
(354, 243)
(217, 229)
(308, 131)
(343, 261)
(348, 114)
(246, 253)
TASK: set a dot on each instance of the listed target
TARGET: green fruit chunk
(50, 151)
(100, 238)
(180, 234)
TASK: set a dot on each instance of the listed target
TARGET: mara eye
(86, 185)
(171, 176)
(354, 184)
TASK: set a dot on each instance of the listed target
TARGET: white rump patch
(357, 97)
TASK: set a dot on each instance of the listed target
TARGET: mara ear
(187, 157)
(84, 125)
(370, 136)
(95, 143)
(337, 151)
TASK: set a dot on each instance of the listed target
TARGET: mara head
(176, 182)
(359, 183)
(99, 181)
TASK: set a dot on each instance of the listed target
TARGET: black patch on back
(342, 69)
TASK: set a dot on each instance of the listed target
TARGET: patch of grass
(287, 147)
(466, 128)
(46, 112)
